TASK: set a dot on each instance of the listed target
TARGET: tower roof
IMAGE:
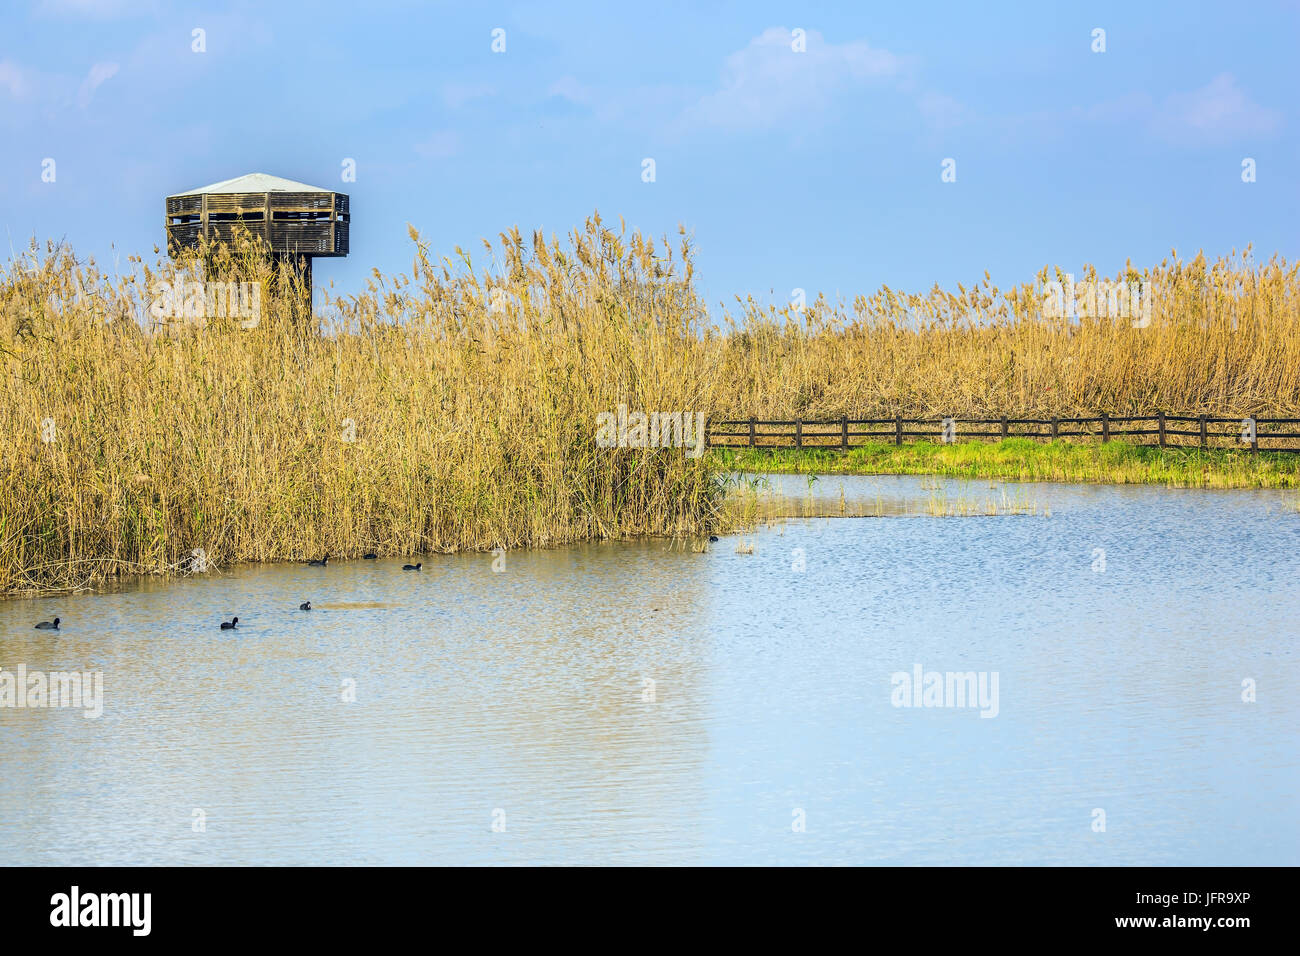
(255, 183)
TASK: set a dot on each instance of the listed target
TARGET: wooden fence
(1164, 431)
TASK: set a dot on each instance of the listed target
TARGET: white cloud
(767, 82)
(1131, 107)
(1217, 112)
(568, 87)
(646, 105)
(456, 95)
(14, 79)
(440, 145)
(99, 73)
(943, 112)
(95, 9)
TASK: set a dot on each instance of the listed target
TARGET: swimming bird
(48, 625)
(319, 564)
(371, 556)
(713, 537)
(305, 606)
(229, 625)
(412, 567)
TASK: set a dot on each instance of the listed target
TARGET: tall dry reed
(452, 408)
(455, 407)
(1220, 339)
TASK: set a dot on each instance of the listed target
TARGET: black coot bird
(229, 625)
(319, 564)
(49, 625)
(412, 567)
(371, 556)
(713, 537)
(305, 606)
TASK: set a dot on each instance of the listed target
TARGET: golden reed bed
(1219, 339)
(457, 406)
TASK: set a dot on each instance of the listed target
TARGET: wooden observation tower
(297, 222)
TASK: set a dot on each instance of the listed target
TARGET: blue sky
(818, 169)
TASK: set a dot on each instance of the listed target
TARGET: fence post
(844, 432)
(1160, 426)
(1254, 437)
(1004, 428)
(751, 432)
(898, 429)
(1204, 437)
(1105, 426)
(798, 433)
(1056, 428)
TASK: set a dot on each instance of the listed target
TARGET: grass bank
(1021, 459)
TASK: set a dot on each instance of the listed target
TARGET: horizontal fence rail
(1160, 430)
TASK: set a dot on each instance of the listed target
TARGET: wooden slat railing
(1159, 429)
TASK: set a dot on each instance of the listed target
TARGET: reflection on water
(639, 702)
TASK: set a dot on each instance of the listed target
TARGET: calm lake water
(520, 699)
